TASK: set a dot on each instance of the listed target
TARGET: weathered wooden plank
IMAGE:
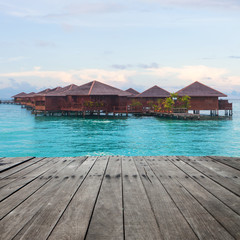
(14, 200)
(202, 222)
(227, 172)
(74, 222)
(58, 205)
(19, 167)
(221, 212)
(20, 181)
(7, 163)
(223, 194)
(107, 219)
(230, 161)
(139, 220)
(171, 222)
(7, 159)
(23, 172)
(44, 221)
(225, 182)
(21, 218)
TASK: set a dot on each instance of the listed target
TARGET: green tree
(184, 101)
(168, 104)
(174, 96)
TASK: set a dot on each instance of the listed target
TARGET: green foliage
(136, 103)
(184, 102)
(156, 108)
(168, 104)
(88, 104)
(99, 104)
(92, 104)
(174, 95)
(160, 101)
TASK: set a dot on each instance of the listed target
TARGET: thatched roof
(19, 95)
(61, 91)
(132, 91)
(198, 89)
(154, 91)
(96, 88)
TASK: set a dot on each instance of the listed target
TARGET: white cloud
(190, 73)
(166, 77)
(219, 78)
(40, 77)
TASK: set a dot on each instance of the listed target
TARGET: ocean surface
(23, 134)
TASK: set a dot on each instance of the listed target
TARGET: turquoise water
(23, 134)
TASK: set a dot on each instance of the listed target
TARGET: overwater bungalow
(32, 97)
(132, 91)
(53, 100)
(18, 97)
(151, 96)
(40, 98)
(96, 96)
(26, 100)
(205, 98)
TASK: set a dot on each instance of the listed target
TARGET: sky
(134, 43)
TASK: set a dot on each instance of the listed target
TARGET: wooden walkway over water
(120, 198)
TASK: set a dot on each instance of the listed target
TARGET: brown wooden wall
(78, 103)
(55, 103)
(145, 100)
(39, 103)
(203, 103)
(27, 101)
(111, 103)
(224, 105)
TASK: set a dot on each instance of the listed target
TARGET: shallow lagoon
(23, 134)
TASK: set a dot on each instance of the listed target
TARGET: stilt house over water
(132, 91)
(36, 98)
(53, 100)
(96, 96)
(152, 94)
(18, 97)
(27, 99)
(205, 98)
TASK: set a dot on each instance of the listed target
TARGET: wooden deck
(120, 198)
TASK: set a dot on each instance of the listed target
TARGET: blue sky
(138, 43)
